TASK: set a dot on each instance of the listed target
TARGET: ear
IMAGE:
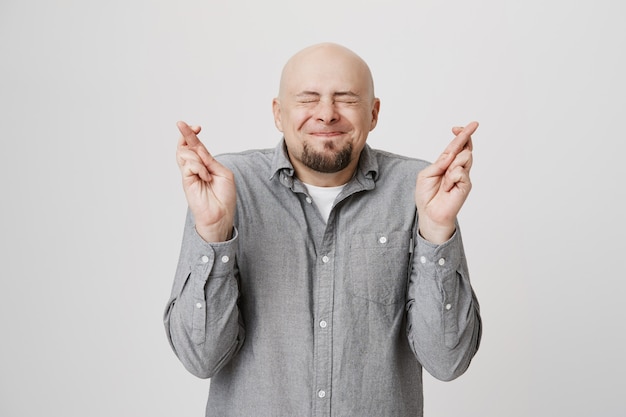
(375, 110)
(276, 111)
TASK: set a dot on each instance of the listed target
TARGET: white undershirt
(324, 197)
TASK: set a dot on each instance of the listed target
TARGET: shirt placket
(324, 302)
(323, 332)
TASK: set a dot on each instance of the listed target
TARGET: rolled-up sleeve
(202, 319)
(443, 316)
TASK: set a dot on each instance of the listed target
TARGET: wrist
(215, 234)
(435, 233)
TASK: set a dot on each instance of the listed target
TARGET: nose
(326, 112)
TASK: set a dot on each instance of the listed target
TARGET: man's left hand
(443, 187)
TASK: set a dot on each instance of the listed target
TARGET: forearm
(443, 316)
(202, 319)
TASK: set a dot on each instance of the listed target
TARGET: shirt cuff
(212, 259)
(442, 259)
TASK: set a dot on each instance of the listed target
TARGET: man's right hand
(208, 185)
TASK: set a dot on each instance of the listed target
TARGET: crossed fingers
(192, 156)
(456, 160)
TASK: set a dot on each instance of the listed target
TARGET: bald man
(320, 277)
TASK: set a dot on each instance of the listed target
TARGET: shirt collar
(281, 162)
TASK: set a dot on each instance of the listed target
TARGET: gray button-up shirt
(297, 317)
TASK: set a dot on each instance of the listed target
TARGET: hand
(442, 188)
(208, 185)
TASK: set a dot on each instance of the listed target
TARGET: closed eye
(347, 97)
(346, 100)
(307, 97)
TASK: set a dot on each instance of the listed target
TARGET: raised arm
(443, 316)
(202, 319)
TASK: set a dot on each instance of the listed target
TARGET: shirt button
(325, 259)
(321, 393)
(442, 261)
(423, 259)
(308, 200)
(198, 305)
(205, 259)
(323, 324)
(448, 306)
(225, 259)
(382, 239)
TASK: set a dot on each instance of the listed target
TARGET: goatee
(326, 163)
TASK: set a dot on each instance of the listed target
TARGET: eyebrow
(336, 94)
(346, 94)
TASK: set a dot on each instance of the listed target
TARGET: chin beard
(327, 164)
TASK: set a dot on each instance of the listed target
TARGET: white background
(92, 208)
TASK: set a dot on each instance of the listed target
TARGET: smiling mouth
(326, 134)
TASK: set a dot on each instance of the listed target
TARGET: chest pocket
(379, 266)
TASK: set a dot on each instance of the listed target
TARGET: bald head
(325, 109)
(326, 62)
